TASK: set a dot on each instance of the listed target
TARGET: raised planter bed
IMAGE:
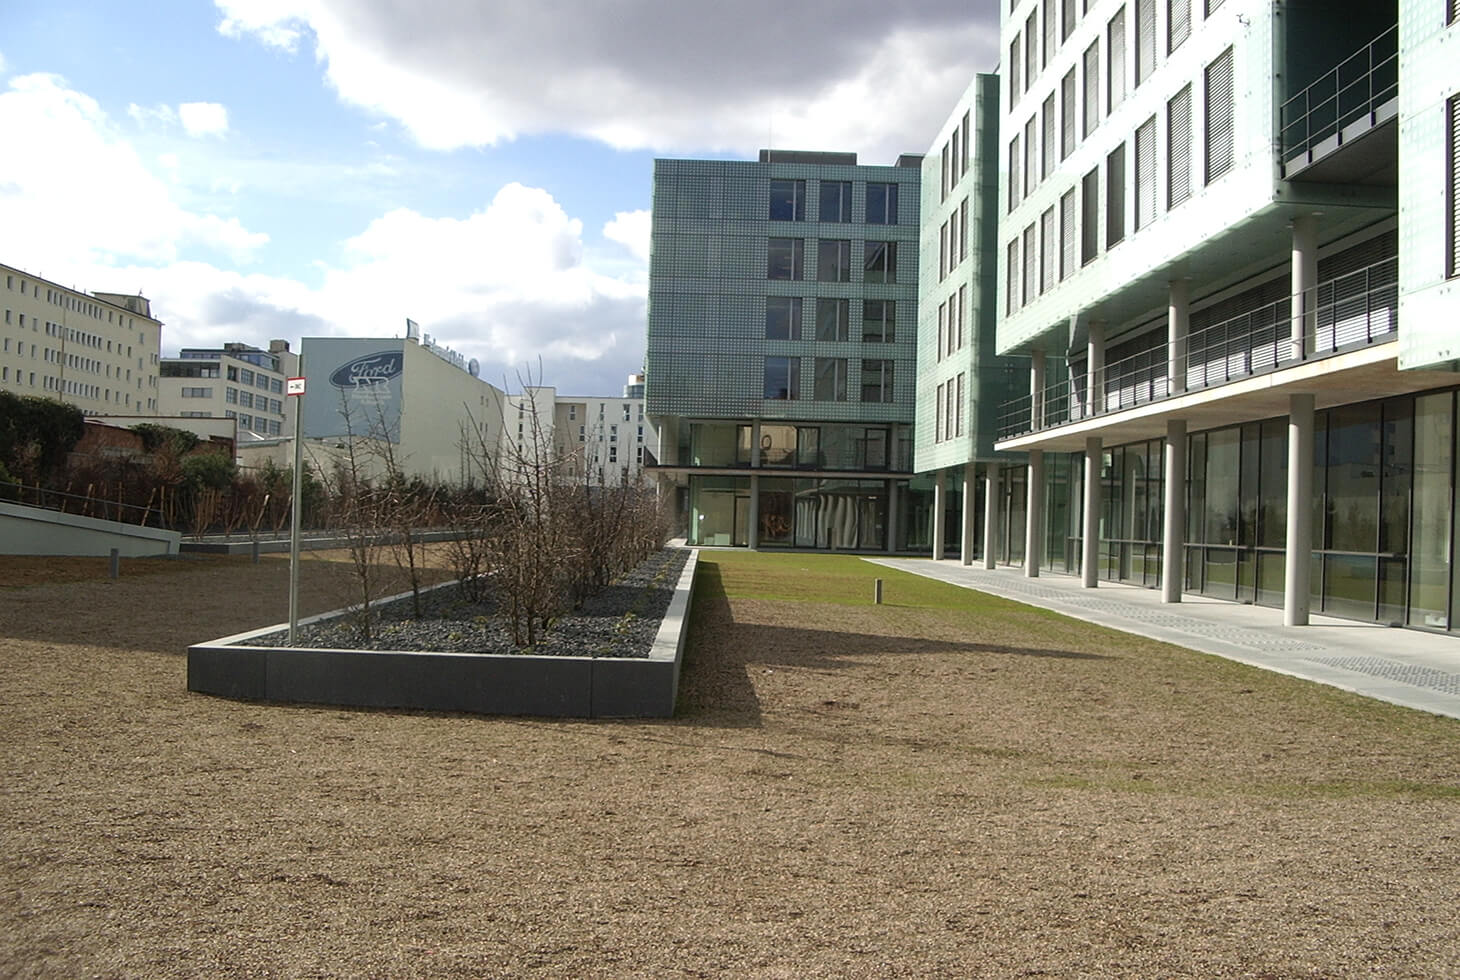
(566, 686)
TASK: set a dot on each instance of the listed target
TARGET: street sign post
(294, 388)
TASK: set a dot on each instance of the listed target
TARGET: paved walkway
(1406, 667)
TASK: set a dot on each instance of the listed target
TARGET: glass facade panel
(1353, 479)
(1221, 512)
(1430, 556)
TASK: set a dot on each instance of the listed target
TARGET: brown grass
(947, 785)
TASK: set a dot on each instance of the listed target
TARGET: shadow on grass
(715, 686)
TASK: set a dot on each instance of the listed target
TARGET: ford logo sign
(372, 369)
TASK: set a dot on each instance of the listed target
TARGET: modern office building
(97, 351)
(236, 381)
(781, 349)
(961, 382)
(1228, 246)
(601, 441)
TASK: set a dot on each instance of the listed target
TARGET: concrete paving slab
(1412, 668)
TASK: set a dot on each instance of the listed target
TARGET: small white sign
(294, 386)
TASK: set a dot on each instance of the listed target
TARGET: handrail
(84, 506)
(1360, 83)
(1356, 308)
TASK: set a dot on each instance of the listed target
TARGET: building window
(962, 298)
(785, 259)
(1067, 114)
(231, 395)
(1212, 6)
(836, 201)
(245, 398)
(832, 316)
(197, 392)
(1178, 23)
(1031, 157)
(1014, 163)
(788, 200)
(938, 434)
(882, 200)
(1047, 251)
(1049, 33)
(245, 376)
(876, 380)
(1067, 22)
(831, 379)
(782, 322)
(962, 230)
(1115, 197)
(943, 263)
(1178, 148)
(1452, 168)
(1145, 39)
(1146, 173)
(1016, 57)
(1115, 61)
(1219, 117)
(879, 262)
(958, 412)
(782, 378)
(1090, 78)
(232, 371)
(1046, 138)
(833, 261)
(1031, 49)
(1011, 278)
(1067, 234)
(879, 321)
(1031, 265)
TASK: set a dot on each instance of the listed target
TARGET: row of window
(948, 409)
(788, 201)
(951, 315)
(953, 240)
(783, 379)
(259, 424)
(1031, 50)
(955, 157)
(66, 386)
(1056, 233)
(72, 336)
(786, 260)
(75, 304)
(783, 320)
(53, 355)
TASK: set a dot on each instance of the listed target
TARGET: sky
(265, 169)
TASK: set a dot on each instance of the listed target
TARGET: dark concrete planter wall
(496, 684)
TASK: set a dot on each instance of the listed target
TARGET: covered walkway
(1406, 667)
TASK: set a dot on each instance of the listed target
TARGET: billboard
(355, 387)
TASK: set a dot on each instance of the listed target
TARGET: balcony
(1353, 108)
(1345, 313)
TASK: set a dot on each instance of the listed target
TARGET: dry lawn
(946, 785)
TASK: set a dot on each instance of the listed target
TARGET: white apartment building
(1228, 246)
(603, 441)
(97, 351)
(236, 381)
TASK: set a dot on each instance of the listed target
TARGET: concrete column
(753, 532)
(755, 443)
(1178, 323)
(1034, 515)
(1036, 390)
(970, 515)
(990, 515)
(1173, 524)
(940, 504)
(1090, 545)
(892, 496)
(1300, 522)
(1304, 284)
(1095, 368)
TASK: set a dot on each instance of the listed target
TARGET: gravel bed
(620, 620)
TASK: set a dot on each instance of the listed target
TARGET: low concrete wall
(28, 530)
(313, 541)
(496, 684)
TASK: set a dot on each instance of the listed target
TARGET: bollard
(877, 592)
(115, 567)
(255, 551)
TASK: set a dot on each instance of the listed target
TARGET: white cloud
(2, 61)
(203, 118)
(698, 74)
(631, 230)
(82, 194)
(146, 115)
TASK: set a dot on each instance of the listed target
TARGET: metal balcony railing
(1342, 313)
(1354, 91)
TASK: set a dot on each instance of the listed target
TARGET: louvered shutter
(1067, 26)
(1178, 148)
(1067, 114)
(1145, 39)
(1047, 251)
(1049, 34)
(1067, 234)
(1011, 279)
(1016, 59)
(1212, 6)
(1358, 293)
(1454, 169)
(1014, 163)
(1091, 79)
(1146, 173)
(1031, 157)
(1031, 265)
(1115, 60)
(1047, 148)
(1219, 117)
(1178, 23)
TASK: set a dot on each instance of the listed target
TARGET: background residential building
(97, 351)
(781, 348)
(236, 381)
(600, 441)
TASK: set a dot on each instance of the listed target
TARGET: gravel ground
(620, 620)
(976, 789)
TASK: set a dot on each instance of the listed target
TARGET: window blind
(1178, 148)
(1219, 117)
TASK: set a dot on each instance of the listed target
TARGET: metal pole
(295, 508)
